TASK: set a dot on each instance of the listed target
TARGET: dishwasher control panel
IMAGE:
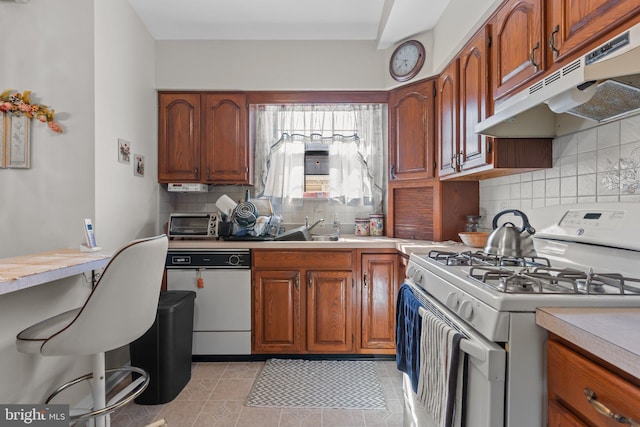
(209, 259)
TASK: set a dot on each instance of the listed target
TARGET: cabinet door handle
(602, 408)
(552, 41)
(392, 172)
(460, 161)
(208, 173)
(195, 171)
(364, 280)
(531, 56)
(454, 162)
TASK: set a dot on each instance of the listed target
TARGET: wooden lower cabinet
(559, 416)
(330, 296)
(570, 373)
(324, 302)
(276, 311)
(379, 289)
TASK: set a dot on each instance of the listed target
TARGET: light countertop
(612, 334)
(25, 271)
(405, 246)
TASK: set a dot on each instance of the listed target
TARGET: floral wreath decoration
(19, 104)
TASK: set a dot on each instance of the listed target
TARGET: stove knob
(466, 310)
(452, 300)
(414, 273)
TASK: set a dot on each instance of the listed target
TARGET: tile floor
(217, 391)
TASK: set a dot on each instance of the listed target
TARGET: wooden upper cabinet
(225, 143)
(411, 131)
(463, 101)
(179, 137)
(572, 24)
(202, 137)
(475, 100)
(448, 102)
(330, 298)
(518, 45)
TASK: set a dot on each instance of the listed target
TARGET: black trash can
(164, 351)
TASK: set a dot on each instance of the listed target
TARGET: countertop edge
(53, 273)
(405, 246)
(574, 325)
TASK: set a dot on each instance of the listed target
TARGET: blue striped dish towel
(408, 330)
(439, 367)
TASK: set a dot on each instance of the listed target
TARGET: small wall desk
(25, 271)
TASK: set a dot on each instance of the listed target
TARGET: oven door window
(189, 226)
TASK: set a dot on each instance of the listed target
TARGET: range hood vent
(602, 85)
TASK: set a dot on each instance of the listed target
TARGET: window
(328, 151)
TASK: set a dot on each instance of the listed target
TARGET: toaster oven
(193, 225)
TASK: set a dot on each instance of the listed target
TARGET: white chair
(121, 307)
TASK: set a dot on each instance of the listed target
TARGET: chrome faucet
(310, 227)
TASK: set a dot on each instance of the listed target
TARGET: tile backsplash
(293, 215)
(601, 164)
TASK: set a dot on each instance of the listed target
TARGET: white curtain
(354, 135)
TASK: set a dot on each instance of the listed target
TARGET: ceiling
(385, 21)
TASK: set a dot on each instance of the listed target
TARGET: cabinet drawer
(570, 374)
(300, 259)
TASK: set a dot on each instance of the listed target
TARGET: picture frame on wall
(18, 144)
(138, 165)
(124, 151)
(3, 141)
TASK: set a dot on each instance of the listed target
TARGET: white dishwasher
(221, 279)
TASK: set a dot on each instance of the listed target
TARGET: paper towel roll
(226, 204)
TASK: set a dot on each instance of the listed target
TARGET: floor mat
(294, 383)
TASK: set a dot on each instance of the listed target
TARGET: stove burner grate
(545, 279)
(469, 258)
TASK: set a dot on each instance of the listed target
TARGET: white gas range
(587, 256)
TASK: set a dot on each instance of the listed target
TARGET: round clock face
(406, 60)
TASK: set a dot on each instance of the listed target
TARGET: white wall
(460, 20)
(42, 207)
(126, 107)
(270, 65)
(310, 65)
(100, 81)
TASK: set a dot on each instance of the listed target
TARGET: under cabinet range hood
(190, 187)
(600, 86)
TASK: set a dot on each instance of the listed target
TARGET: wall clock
(407, 60)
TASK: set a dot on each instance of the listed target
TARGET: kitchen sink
(324, 237)
(297, 234)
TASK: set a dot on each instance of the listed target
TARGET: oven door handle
(466, 345)
(473, 349)
(487, 356)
